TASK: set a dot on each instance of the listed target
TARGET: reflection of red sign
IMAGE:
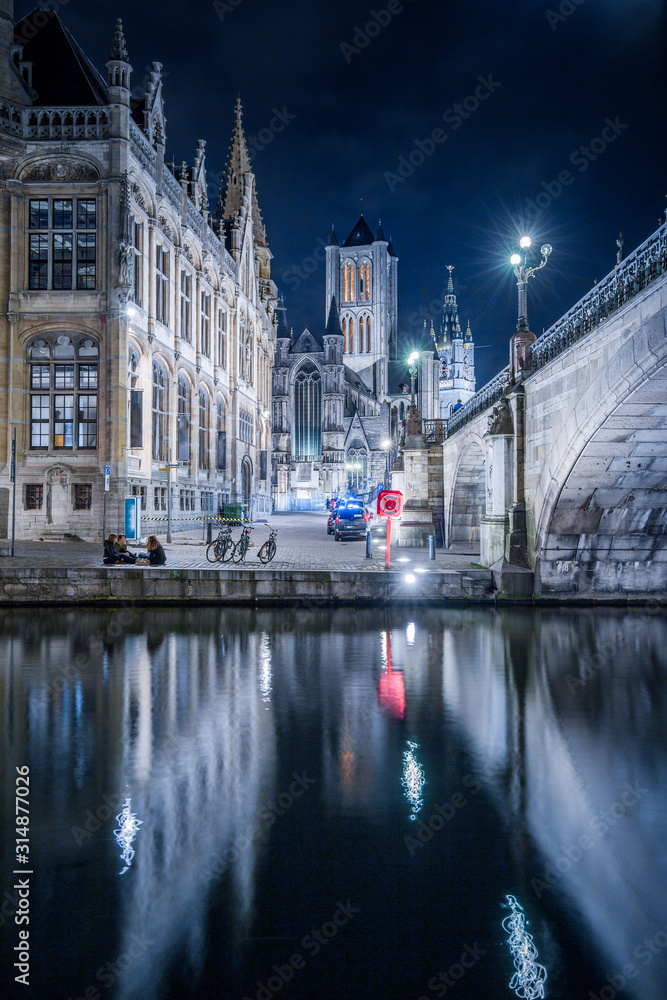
(391, 688)
(390, 504)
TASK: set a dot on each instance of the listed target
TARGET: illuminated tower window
(344, 336)
(348, 275)
(364, 282)
(351, 336)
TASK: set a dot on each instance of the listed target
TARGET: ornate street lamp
(413, 362)
(523, 273)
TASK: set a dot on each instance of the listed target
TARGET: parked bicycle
(268, 549)
(242, 546)
(221, 548)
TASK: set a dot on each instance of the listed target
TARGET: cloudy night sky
(356, 103)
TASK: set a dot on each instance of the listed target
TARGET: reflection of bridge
(560, 462)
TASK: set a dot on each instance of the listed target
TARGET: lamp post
(386, 444)
(523, 273)
(413, 361)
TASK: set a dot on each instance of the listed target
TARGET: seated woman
(156, 556)
(110, 556)
(122, 555)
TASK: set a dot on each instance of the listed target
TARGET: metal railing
(482, 400)
(631, 276)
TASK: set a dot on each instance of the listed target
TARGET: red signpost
(389, 506)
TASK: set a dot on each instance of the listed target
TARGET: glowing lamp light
(515, 259)
(410, 578)
(413, 357)
(402, 559)
(529, 978)
(525, 242)
(130, 310)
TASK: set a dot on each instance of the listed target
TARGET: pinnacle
(119, 48)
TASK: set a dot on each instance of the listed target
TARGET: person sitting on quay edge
(110, 557)
(122, 554)
(155, 554)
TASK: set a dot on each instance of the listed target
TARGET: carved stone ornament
(500, 419)
(58, 170)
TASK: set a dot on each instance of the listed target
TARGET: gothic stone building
(134, 330)
(331, 417)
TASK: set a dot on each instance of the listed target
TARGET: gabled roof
(360, 236)
(62, 74)
(307, 343)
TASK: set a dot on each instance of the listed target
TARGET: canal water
(334, 804)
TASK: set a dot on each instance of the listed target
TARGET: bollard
(209, 532)
(369, 544)
(431, 546)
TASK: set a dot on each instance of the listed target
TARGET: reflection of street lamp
(412, 368)
(523, 273)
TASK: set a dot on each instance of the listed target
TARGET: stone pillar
(494, 525)
(416, 523)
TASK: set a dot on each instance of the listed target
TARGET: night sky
(549, 79)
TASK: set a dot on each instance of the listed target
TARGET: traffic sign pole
(386, 561)
(12, 477)
(169, 495)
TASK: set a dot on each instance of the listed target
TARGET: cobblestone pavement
(302, 544)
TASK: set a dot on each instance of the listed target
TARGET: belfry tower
(456, 351)
(362, 275)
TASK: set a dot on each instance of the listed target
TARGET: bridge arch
(603, 521)
(468, 495)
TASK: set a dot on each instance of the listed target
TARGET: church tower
(362, 276)
(456, 351)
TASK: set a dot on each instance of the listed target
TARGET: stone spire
(451, 310)
(238, 167)
(468, 335)
(119, 48)
(333, 327)
(282, 331)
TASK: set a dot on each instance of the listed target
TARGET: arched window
(368, 334)
(364, 281)
(63, 392)
(221, 445)
(204, 425)
(351, 336)
(135, 400)
(160, 434)
(356, 463)
(183, 419)
(307, 421)
(344, 336)
(348, 282)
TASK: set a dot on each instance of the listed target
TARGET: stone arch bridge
(556, 471)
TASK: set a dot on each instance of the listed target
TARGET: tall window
(183, 419)
(344, 328)
(186, 306)
(348, 282)
(364, 281)
(307, 421)
(222, 338)
(138, 275)
(206, 324)
(357, 468)
(160, 425)
(350, 336)
(221, 449)
(62, 243)
(204, 424)
(162, 285)
(63, 393)
(136, 400)
(365, 334)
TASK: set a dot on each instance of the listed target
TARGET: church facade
(332, 431)
(137, 330)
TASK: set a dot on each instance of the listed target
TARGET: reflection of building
(456, 352)
(135, 331)
(330, 411)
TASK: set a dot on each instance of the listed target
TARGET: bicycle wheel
(228, 550)
(211, 553)
(240, 549)
(267, 551)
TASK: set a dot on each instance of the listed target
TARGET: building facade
(137, 330)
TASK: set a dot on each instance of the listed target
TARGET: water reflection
(262, 751)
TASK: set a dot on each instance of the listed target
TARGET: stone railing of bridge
(631, 276)
(482, 400)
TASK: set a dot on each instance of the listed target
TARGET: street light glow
(413, 357)
(515, 259)
(525, 242)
